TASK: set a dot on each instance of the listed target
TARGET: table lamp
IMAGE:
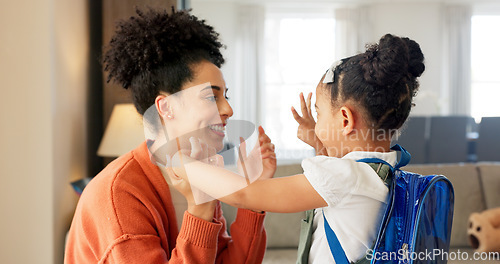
(124, 132)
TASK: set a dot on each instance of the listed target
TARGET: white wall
(43, 49)
(422, 23)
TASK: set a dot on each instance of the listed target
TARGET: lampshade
(124, 131)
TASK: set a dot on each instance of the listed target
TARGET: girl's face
(329, 122)
(200, 109)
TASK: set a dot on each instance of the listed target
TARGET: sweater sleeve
(199, 241)
(247, 243)
(196, 243)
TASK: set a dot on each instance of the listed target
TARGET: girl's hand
(268, 155)
(305, 131)
(260, 163)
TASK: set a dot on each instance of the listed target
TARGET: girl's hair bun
(416, 58)
(384, 64)
(383, 79)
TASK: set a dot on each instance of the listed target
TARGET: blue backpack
(416, 226)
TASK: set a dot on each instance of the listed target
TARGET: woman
(127, 214)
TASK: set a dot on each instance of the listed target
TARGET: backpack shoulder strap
(333, 242)
(384, 172)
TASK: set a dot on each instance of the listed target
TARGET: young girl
(360, 103)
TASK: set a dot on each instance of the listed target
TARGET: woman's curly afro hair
(154, 51)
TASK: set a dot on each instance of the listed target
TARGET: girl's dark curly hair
(383, 80)
(155, 51)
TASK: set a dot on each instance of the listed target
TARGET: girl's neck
(366, 146)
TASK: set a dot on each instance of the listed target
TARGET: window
(485, 87)
(298, 50)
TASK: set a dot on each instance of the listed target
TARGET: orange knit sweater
(126, 215)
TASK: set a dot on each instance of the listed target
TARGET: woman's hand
(260, 163)
(199, 204)
(204, 211)
(305, 131)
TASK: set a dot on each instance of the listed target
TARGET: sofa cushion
(490, 177)
(280, 256)
(468, 194)
(283, 230)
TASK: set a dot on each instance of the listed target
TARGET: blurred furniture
(414, 138)
(448, 139)
(488, 141)
(228, 153)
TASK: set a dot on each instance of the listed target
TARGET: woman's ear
(347, 120)
(163, 107)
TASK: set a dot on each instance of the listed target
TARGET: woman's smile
(218, 129)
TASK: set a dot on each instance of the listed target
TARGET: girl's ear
(163, 107)
(348, 121)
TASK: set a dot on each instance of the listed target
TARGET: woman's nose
(225, 109)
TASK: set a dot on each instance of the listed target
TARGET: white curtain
(249, 62)
(352, 31)
(458, 58)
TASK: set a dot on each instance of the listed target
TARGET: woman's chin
(219, 146)
(214, 142)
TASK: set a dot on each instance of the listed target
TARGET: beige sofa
(477, 187)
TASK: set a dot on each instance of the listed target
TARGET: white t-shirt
(356, 198)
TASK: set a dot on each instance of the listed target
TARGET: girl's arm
(288, 194)
(282, 195)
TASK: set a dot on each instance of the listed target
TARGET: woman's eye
(212, 98)
(227, 97)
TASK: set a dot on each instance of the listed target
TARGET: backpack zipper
(409, 220)
(405, 252)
